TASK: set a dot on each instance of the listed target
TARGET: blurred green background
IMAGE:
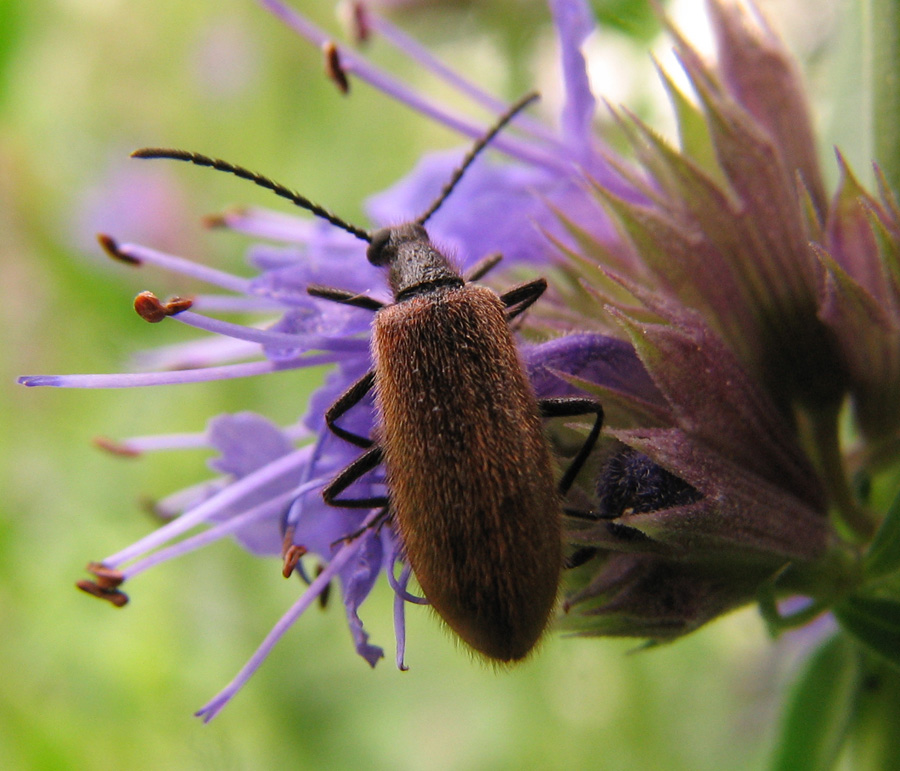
(83, 686)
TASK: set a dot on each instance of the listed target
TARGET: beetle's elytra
(472, 492)
(473, 495)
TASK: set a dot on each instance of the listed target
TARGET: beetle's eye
(377, 247)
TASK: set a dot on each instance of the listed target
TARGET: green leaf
(634, 18)
(874, 738)
(11, 28)
(883, 49)
(820, 709)
(875, 623)
(693, 131)
(883, 557)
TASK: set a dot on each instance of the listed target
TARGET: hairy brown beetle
(470, 476)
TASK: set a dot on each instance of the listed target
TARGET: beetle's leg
(352, 396)
(520, 298)
(365, 462)
(570, 406)
(344, 297)
(580, 556)
(383, 516)
(483, 267)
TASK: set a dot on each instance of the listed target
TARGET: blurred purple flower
(149, 206)
(226, 60)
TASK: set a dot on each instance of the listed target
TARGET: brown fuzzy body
(471, 482)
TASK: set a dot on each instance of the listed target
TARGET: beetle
(470, 479)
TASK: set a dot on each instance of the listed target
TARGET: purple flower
(687, 297)
(741, 487)
(267, 492)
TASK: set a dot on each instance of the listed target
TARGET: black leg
(382, 517)
(584, 516)
(561, 407)
(520, 298)
(564, 407)
(344, 297)
(580, 556)
(483, 267)
(365, 462)
(352, 396)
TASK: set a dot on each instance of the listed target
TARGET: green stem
(767, 597)
(860, 523)
(883, 53)
(824, 581)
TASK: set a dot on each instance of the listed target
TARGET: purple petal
(360, 418)
(357, 579)
(140, 379)
(574, 22)
(600, 359)
(400, 615)
(494, 209)
(330, 260)
(211, 709)
(246, 442)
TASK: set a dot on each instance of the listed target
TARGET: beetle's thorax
(415, 266)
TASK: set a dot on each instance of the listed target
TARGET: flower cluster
(716, 301)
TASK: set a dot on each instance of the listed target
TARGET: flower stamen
(151, 309)
(202, 513)
(133, 254)
(365, 22)
(105, 587)
(271, 338)
(116, 448)
(389, 85)
(333, 67)
(346, 553)
(292, 555)
(113, 596)
(107, 578)
(215, 533)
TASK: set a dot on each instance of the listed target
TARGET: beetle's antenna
(257, 179)
(474, 152)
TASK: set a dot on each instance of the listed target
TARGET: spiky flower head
(760, 307)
